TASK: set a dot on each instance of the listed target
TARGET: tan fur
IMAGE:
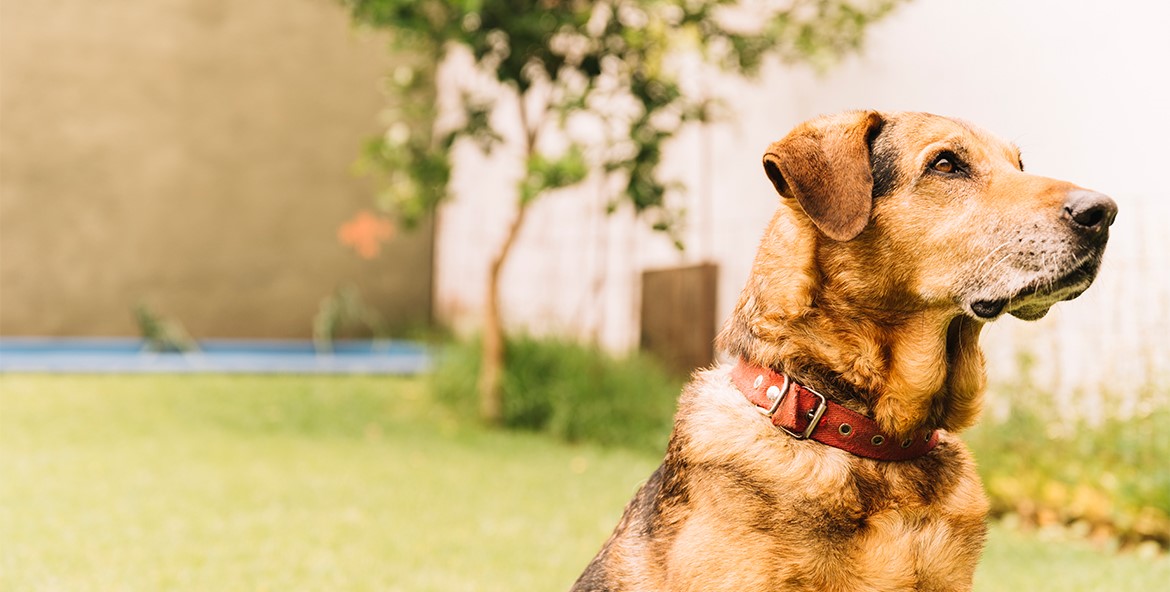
(876, 301)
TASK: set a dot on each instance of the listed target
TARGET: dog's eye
(947, 163)
(943, 164)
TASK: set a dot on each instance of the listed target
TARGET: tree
(611, 61)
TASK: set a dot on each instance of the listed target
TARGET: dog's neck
(908, 367)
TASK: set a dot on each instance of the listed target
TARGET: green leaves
(545, 174)
(477, 124)
(413, 175)
(569, 57)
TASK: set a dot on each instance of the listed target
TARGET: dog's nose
(1089, 211)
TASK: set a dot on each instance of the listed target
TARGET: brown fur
(871, 285)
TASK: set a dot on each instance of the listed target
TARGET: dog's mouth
(1033, 301)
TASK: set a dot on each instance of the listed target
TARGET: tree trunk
(491, 367)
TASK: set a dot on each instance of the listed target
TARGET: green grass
(1022, 561)
(210, 483)
(296, 483)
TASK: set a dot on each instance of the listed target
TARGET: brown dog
(826, 460)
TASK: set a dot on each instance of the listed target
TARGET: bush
(1111, 475)
(574, 392)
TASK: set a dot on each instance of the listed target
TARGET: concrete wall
(193, 155)
(1080, 86)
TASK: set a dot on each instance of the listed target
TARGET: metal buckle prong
(818, 413)
(784, 388)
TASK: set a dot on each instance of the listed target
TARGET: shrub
(1112, 474)
(575, 392)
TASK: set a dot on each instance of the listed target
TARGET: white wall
(1082, 87)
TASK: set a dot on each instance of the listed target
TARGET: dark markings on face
(883, 164)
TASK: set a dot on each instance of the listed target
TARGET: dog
(824, 458)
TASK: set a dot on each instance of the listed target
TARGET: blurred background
(318, 179)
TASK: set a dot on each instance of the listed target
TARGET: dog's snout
(1089, 211)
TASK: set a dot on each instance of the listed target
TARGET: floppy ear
(824, 165)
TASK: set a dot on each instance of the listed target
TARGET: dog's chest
(825, 521)
(817, 550)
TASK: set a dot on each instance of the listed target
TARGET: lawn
(318, 483)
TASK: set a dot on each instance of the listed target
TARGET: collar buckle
(815, 416)
(776, 396)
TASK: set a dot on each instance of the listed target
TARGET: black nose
(1089, 211)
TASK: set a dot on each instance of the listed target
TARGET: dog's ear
(824, 165)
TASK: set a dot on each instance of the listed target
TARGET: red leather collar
(806, 414)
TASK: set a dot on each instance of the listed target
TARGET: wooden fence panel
(678, 315)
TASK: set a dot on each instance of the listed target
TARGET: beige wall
(194, 155)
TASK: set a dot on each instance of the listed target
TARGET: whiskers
(989, 255)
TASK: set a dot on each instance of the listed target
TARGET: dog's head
(922, 211)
